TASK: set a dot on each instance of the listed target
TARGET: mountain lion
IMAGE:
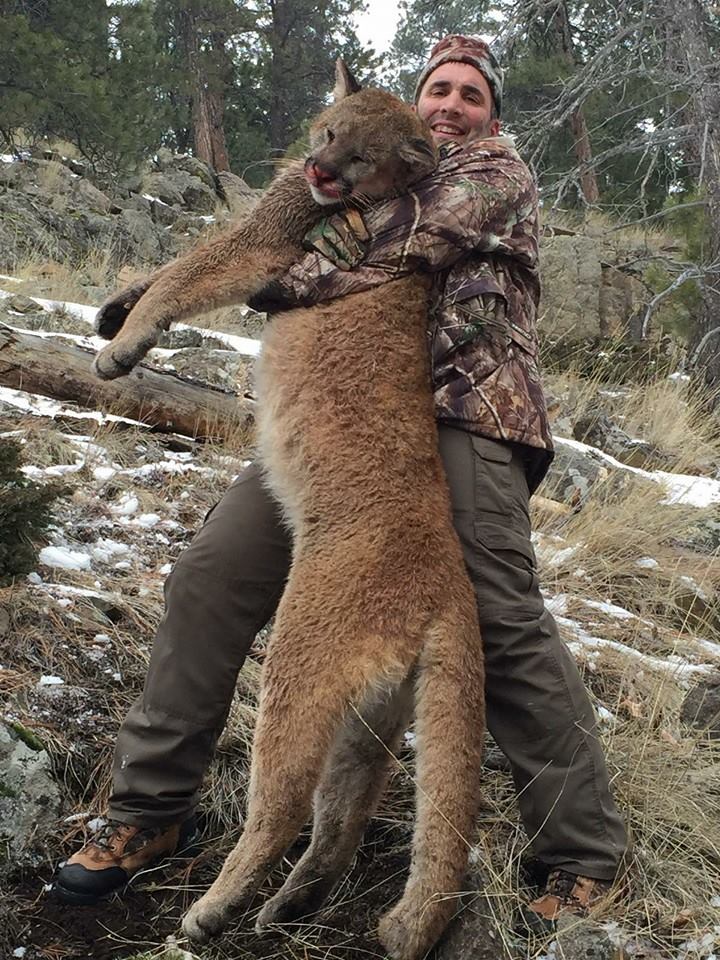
(378, 618)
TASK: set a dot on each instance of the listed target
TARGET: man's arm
(472, 203)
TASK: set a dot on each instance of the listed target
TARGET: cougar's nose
(317, 174)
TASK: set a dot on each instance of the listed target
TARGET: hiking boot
(114, 855)
(566, 894)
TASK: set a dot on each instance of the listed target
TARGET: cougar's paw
(114, 312)
(409, 930)
(287, 907)
(120, 356)
(205, 919)
(110, 318)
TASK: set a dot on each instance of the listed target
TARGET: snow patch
(41, 406)
(64, 558)
(126, 506)
(680, 488)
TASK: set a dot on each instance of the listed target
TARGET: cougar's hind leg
(353, 780)
(449, 725)
(305, 697)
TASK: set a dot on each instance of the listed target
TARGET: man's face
(457, 102)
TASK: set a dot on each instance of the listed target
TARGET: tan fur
(378, 615)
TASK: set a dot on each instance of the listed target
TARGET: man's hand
(341, 238)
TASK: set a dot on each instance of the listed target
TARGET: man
(474, 226)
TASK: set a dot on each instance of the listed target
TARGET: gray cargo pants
(227, 585)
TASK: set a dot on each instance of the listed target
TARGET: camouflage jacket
(474, 225)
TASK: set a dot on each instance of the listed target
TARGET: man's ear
(345, 82)
(494, 128)
(418, 152)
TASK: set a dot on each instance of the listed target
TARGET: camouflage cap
(472, 50)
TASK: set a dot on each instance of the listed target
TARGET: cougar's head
(367, 145)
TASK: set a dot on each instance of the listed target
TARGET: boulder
(622, 301)
(180, 339)
(29, 796)
(573, 474)
(176, 187)
(701, 708)
(239, 197)
(223, 368)
(571, 276)
(599, 430)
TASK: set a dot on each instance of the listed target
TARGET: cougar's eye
(330, 135)
(357, 159)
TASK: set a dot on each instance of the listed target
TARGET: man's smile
(444, 128)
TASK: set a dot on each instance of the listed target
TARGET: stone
(599, 430)
(473, 933)
(22, 304)
(572, 276)
(222, 368)
(190, 337)
(29, 799)
(573, 474)
(622, 301)
(590, 940)
(90, 198)
(239, 197)
(701, 708)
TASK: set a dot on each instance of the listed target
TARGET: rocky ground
(627, 541)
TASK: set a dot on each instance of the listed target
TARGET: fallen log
(161, 399)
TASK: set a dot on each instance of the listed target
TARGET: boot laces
(562, 884)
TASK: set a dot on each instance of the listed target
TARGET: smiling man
(457, 102)
(474, 226)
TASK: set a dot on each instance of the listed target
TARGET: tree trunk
(208, 105)
(163, 400)
(583, 153)
(563, 44)
(280, 27)
(694, 56)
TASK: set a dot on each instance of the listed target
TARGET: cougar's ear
(345, 82)
(417, 151)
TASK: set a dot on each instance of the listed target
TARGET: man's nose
(452, 103)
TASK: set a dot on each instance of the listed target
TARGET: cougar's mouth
(325, 187)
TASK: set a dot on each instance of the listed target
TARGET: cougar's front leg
(228, 270)
(213, 276)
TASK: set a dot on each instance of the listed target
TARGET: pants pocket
(509, 574)
(493, 476)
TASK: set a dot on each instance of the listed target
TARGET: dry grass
(45, 276)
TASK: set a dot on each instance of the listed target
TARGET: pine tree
(25, 514)
(422, 24)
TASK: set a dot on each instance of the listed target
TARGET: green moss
(6, 791)
(29, 738)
